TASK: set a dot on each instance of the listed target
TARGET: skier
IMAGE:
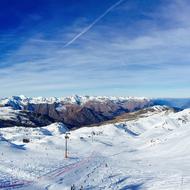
(73, 187)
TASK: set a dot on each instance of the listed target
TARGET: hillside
(147, 152)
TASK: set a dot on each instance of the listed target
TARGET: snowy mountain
(18, 102)
(75, 111)
(147, 150)
(10, 117)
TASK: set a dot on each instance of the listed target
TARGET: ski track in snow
(50, 176)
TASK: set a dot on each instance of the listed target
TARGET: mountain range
(75, 111)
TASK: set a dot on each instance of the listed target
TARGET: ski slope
(151, 152)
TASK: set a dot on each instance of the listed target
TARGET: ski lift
(66, 144)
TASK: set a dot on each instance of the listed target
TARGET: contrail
(93, 23)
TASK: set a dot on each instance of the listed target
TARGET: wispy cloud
(154, 62)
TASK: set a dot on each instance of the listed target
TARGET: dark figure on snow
(73, 187)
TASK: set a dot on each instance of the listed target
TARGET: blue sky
(95, 47)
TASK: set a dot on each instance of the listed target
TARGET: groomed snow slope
(148, 153)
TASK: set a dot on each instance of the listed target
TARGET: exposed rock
(10, 117)
(74, 111)
(91, 112)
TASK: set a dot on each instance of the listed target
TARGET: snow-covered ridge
(18, 101)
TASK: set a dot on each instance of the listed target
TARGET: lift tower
(66, 144)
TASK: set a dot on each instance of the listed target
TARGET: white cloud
(157, 59)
